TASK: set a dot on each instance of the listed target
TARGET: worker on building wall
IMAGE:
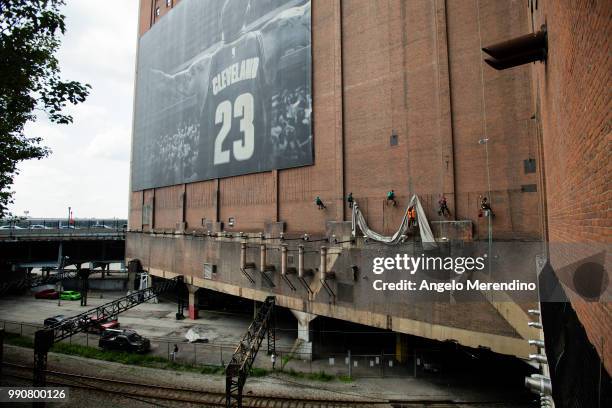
(391, 198)
(443, 210)
(485, 208)
(412, 220)
(319, 203)
(349, 200)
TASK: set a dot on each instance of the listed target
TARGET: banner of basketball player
(223, 88)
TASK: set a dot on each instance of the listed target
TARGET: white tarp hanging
(429, 242)
(196, 334)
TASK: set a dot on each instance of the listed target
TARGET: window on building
(168, 3)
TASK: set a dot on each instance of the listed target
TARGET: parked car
(47, 294)
(52, 321)
(99, 325)
(70, 295)
(5, 227)
(39, 226)
(101, 226)
(124, 340)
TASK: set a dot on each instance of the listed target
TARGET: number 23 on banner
(243, 149)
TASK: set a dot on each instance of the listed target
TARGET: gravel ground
(82, 398)
(374, 388)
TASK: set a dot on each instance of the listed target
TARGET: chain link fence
(287, 360)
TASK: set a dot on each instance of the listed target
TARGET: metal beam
(46, 337)
(241, 363)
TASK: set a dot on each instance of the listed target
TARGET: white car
(101, 226)
(39, 226)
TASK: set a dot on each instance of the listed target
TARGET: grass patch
(141, 360)
(258, 372)
(318, 376)
(16, 340)
(146, 360)
(285, 360)
(114, 356)
(345, 378)
(210, 369)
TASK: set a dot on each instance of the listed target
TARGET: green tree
(30, 82)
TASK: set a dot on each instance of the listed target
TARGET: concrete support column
(133, 268)
(283, 259)
(243, 254)
(304, 338)
(401, 347)
(131, 281)
(301, 261)
(323, 266)
(262, 257)
(193, 301)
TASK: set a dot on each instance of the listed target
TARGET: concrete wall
(473, 321)
(112, 284)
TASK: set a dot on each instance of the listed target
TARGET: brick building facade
(573, 105)
(403, 101)
(381, 70)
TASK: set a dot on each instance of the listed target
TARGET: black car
(124, 340)
(52, 321)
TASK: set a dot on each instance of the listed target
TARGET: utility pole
(58, 288)
(350, 363)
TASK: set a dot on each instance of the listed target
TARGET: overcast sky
(88, 168)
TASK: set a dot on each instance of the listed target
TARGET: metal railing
(59, 223)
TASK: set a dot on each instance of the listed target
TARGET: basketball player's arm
(193, 80)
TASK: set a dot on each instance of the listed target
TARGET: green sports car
(70, 295)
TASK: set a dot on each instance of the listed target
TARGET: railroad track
(178, 396)
(154, 392)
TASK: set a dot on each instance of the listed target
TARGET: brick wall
(412, 69)
(135, 215)
(573, 90)
(201, 198)
(148, 12)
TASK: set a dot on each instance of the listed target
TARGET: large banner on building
(223, 88)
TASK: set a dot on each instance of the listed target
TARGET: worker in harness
(391, 198)
(412, 220)
(485, 208)
(443, 211)
(319, 203)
